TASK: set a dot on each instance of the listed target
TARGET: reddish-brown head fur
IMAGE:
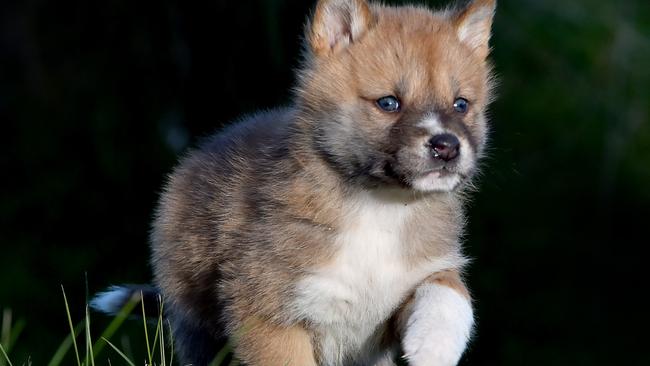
(359, 53)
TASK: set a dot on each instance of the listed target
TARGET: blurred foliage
(97, 100)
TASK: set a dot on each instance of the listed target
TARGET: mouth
(441, 179)
(421, 173)
(439, 173)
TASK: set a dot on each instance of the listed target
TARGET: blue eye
(461, 105)
(388, 104)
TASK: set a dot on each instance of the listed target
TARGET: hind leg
(262, 344)
(194, 345)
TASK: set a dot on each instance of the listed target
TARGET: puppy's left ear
(473, 25)
(338, 23)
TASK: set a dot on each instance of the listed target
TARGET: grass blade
(5, 334)
(162, 340)
(221, 356)
(146, 333)
(89, 341)
(5, 355)
(119, 352)
(10, 332)
(159, 325)
(74, 338)
(60, 353)
(126, 346)
(14, 333)
(115, 324)
(155, 339)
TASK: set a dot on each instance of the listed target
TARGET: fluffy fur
(328, 233)
(439, 326)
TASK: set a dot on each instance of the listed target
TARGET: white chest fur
(358, 291)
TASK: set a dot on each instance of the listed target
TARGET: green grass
(9, 333)
(159, 352)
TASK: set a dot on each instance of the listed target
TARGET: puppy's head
(397, 95)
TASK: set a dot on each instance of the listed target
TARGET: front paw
(438, 328)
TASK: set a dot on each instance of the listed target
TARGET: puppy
(328, 232)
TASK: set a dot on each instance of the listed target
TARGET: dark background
(98, 98)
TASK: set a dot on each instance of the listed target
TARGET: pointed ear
(473, 25)
(337, 23)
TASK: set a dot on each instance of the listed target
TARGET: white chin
(433, 182)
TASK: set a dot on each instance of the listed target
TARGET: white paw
(439, 327)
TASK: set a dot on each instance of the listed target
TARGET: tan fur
(450, 279)
(266, 205)
(261, 343)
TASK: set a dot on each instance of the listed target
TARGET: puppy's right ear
(336, 24)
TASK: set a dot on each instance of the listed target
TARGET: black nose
(445, 146)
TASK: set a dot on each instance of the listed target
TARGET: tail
(115, 298)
